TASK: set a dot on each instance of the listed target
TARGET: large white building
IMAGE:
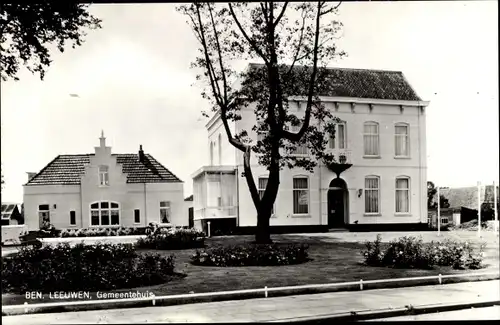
(104, 190)
(382, 143)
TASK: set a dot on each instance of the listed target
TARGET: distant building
(11, 214)
(382, 143)
(104, 190)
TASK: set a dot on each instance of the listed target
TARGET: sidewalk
(291, 308)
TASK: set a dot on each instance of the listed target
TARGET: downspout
(145, 207)
(419, 110)
(81, 205)
(319, 186)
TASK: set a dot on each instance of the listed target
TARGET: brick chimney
(141, 154)
(31, 175)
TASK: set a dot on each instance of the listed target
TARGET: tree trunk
(263, 231)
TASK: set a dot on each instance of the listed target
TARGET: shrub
(102, 232)
(83, 267)
(251, 255)
(171, 238)
(411, 252)
(373, 254)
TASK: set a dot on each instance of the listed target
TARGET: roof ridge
(336, 68)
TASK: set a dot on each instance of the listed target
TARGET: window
(371, 139)
(103, 176)
(401, 140)
(220, 149)
(262, 184)
(372, 195)
(211, 153)
(444, 220)
(339, 140)
(300, 195)
(43, 215)
(104, 213)
(137, 216)
(402, 195)
(301, 147)
(165, 212)
(72, 218)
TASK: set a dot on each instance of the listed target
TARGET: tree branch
(281, 14)
(249, 177)
(263, 6)
(301, 37)
(294, 137)
(223, 72)
(249, 40)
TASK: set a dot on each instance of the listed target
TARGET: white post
(439, 213)
(208, 223)
(479, 209)
(495, 206)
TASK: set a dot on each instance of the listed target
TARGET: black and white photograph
(248, 162)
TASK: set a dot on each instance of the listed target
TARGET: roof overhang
(214, 169)
(416, 103)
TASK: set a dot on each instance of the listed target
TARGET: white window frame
(261, 191)
(220, 148)
(72, 224)
(408, 190)
(371, 213)
(44, 211)
(308, 190)
(168, 208)
(103, 175)
(407, 139)
(377, 135)
(109, 209)
(300, 149)
(334, 143)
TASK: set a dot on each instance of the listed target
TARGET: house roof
(189, 198)
(68, 170)
(359, 83)
(467, 196)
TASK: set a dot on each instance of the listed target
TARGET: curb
(387, 313)
(8, 310)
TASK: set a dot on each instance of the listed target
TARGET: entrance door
(336, 208)
(337, 203)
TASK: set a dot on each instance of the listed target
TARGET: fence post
(154, 300)
(26, 307)
(265, 291)
(361, 284)
(208, 223)
(440, 279)
(495, 207)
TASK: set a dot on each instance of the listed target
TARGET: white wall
(227, 151)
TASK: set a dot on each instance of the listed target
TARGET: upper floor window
(105, 213)
(220, 149)
(262, 184)
(371, 139)
(339, 140)
(301, 148)
(401, 140)
(103, 175)
(372, 194)
(300, 195)
(164, 212)
(402, 195)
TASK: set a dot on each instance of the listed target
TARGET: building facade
(381, 152)
(104, 190)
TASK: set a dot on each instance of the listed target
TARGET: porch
(215, 199)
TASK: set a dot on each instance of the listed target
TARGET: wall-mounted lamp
(360, 191)
(55, 206)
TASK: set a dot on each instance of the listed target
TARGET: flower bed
(83, 268)
(103, 232)
(171, 238)
(412, 252)
(252, 255)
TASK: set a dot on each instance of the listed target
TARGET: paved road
(487, 313)
(277, 309)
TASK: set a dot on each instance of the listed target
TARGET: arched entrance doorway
(338, 203)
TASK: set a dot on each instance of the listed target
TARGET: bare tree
(294, 45)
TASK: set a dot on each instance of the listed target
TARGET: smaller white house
(104, 189)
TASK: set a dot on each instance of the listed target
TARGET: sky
(134, 81)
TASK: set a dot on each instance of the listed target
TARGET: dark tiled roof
(356, 83)
(189, 198)
(68, 170)
(467, 196)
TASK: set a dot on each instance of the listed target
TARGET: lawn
(333, 260)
